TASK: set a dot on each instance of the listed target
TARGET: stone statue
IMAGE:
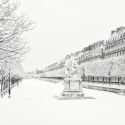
(72, 70)
(72, 80)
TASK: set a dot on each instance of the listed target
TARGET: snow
(32, 103)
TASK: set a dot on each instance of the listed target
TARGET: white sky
(65, 26)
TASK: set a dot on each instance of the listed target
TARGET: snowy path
(32, 103)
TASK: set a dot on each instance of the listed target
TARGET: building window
(115, 42)
(123, 52)
(117, 53)
(120, 53)
(123, 40)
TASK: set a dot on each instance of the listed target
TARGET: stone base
(72, 93)
(60, 97)
(68, 95)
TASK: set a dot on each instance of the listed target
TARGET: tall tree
(12, 27)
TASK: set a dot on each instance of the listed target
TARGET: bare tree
(12, 27)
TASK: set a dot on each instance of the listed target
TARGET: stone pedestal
(72, 88)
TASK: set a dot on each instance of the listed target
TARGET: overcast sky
(65, 26)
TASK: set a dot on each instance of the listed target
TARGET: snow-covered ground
(32, 103)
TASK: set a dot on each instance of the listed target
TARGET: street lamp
(9, 89)
(79, 55)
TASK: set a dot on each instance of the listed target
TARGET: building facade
(103, 58)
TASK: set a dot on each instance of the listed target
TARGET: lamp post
(79, 55)
(9, 89)
(2, 81)
(111, 64)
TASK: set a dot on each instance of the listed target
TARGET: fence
(7, 83)
(103, 79)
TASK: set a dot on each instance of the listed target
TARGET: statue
(72, 80)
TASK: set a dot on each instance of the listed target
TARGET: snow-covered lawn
(32, 103)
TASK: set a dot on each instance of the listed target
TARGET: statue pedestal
(72, 94)
(72, 88)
